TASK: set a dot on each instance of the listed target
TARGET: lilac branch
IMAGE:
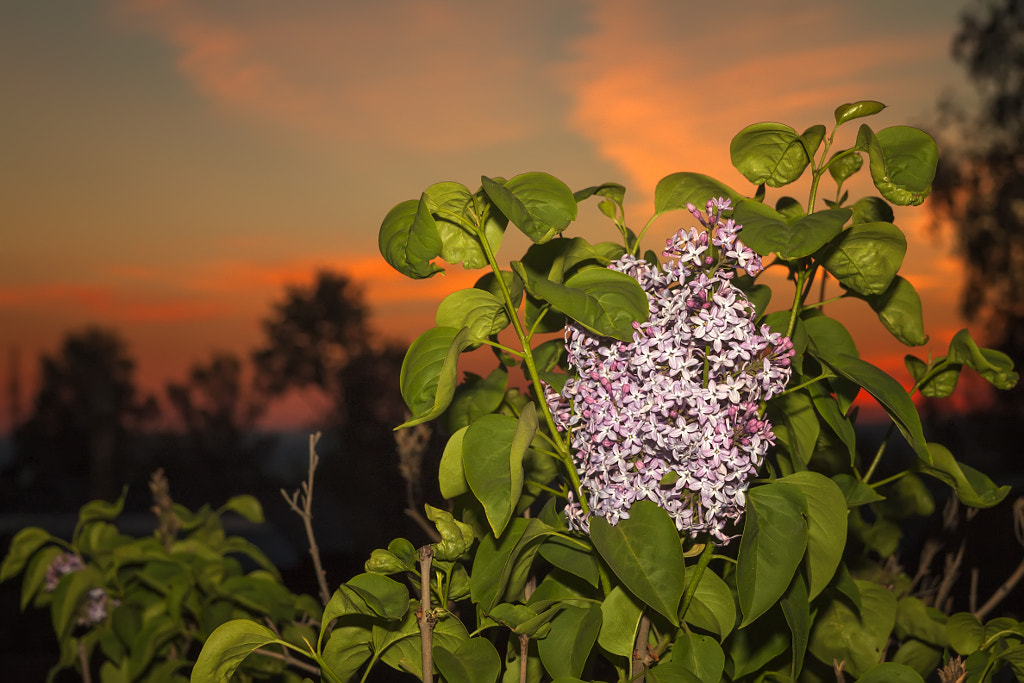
(301, 501)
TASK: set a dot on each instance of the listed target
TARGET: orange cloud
(433, 76)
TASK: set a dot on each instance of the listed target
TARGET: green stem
(797, 296)
(635, 248)
(878, 454)
(531, 366)
(807, 383)
(889, 480)
(691, 586)
(502, 347)
(823, 302)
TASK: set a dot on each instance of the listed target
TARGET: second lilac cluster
(673, 416)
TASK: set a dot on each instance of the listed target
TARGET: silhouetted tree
(219, 412)
(979, 189)
(311, 337)
(85, 414)
(319, 337)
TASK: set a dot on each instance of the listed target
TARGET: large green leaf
(972, 487)
(713, 607)
(400, 645)
(429, 372)
(482, 312)
(701, 655)
(348, 646)
(796, 425)
(841, 634)
(677, 190)
(451, 476)
(645, 553)
(493, 449)
(565, 650)
(899, 309)
(773, 543)
(766, 231)
(23, 546)
(866, 257)
(537, 203)
(826, 526)
(452, 207)
(502, 566)
(889, 394)
(771, 153)
(902, 162)
(381, 595)
(621, 616)
(844, 164)
(914, 619)
(227, 647)
(994, 366)
(570, 557)
(752, 647)
(939, 385)
(474, 661)
(605, 301)
(409, 239)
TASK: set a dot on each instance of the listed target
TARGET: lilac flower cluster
(673, 416)
(94, 609)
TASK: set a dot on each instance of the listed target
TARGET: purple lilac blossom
(94, 608)
(673, 416)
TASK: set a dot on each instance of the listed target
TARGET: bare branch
(301, 502)
(427, 618)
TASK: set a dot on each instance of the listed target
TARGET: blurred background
(190, 194)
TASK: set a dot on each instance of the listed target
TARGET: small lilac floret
(673, 416)
(95, 607)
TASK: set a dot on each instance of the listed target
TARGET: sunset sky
(169, 166)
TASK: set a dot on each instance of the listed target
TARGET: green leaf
(246, 506)
(972, 487)
(502, 567)
(841, 634)
(474, 661)
(795, 424)
(766, 230)
(751, 648)
(494, 471)
(35, 573)
(409, 239)
(872, 210)
(348, 647)
(902, 162)
(97, 511)
(899, 309)
(677, 190)
(451, 476)
(701, 655)
(915, 620)
(456, 537)
(994, 366)
(429, 372)
(890, 672)
(621, 617)
(564, 652)
(227, 647)
(826, 526)
(612, 191)
(828, 408)
(399, 642)
(769, 153)
(482, 312)
(571, 558)
(384, 596)
(889, 394)
(965, 632)
(941, 384)
(866, 257)
(23, 546)
(475, 397)
(855, 110)
(713, 607)
(857, 493)
(453, 210)
(150, 638)
(773, 543)
(645, 553)
(827, 338)
(843, 167)
(539, 204)
(605, 301)
(797, 609)
(922, 658)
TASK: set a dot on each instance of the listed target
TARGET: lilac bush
(675, 416)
